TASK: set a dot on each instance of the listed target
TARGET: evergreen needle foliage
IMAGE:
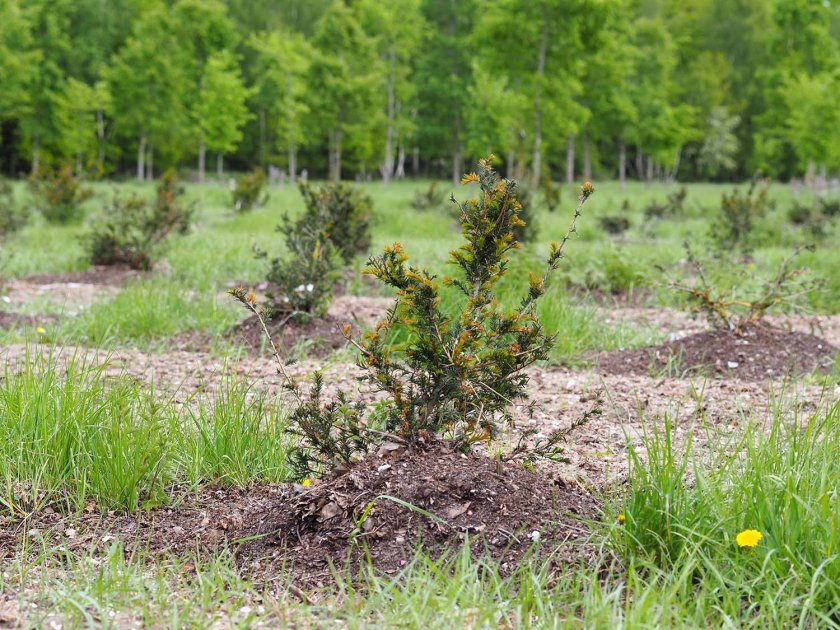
(458, 373)
(737, 308)
(60, 195)
(132, 231)
(249, 192)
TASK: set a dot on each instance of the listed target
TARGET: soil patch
(759, 353)
(316, 338)
(110, 275)
(291, 531)
(9, 321)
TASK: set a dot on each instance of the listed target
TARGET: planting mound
(285, 531)
(318, 336)
(381, 509)
(760, 352)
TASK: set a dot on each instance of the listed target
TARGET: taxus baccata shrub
(12, 215)
(132, 231)
(430, 198)
(742, 302)
(302, 281)
(343, 213)
(249, 191)
(458, 372)
(59, 195)
(739, 215)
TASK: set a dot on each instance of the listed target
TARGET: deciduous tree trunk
(387, 167)
(415, 162)
(640, 164)
(220, 165)
(400, 171)
(622, 164)
(292, 156)
(150, 161)
(587, 158)
(541, 52)
(201, 158)
(570, 159)
(36, 154)
(141, 157)
(457, 160)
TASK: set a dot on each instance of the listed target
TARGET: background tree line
(650, 89)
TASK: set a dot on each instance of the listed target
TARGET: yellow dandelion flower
(748, 538)
(306, 483)
(41, 331)
(621, 518)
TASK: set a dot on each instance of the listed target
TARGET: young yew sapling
(459, 372)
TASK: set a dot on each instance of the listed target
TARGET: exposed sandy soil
(69, 292)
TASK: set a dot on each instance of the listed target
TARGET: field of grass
(85, 433)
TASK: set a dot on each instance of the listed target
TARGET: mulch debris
(304, 533)
(759, 353)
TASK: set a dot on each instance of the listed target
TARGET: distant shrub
(12, 216)
(342, 213)
(60, 195)
(614, 225)
(460, 372)
(132, 231)
(829, 207)
(738, 306)
(249, 191)
(551, 194)
(673, 206)
(527, 229)
(739, 214)
(429, 199)
(302, 281)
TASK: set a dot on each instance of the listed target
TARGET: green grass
(672, 562)
(74, 433)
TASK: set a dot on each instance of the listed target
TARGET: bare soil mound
(291, 531)
(319, 336)
(380, 510)
(759, 353)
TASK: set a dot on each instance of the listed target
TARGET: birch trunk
(400, 171)
(587, 158)
(141, 156)
(537, 166)
(387, 168)
(457, 160)
(100, 135)
(150, 162)
(570, 159)
(292, 155)
(201, 160)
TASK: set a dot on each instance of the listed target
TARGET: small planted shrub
(302, 282)
(551, 194)
(12, 216)
(249, 192)
(60, 195)
(673, 206)
(614, 225)
(458, 372)
(342, 213)
(743, 304)
(739, 214)
(431, 198)
(132, 231)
